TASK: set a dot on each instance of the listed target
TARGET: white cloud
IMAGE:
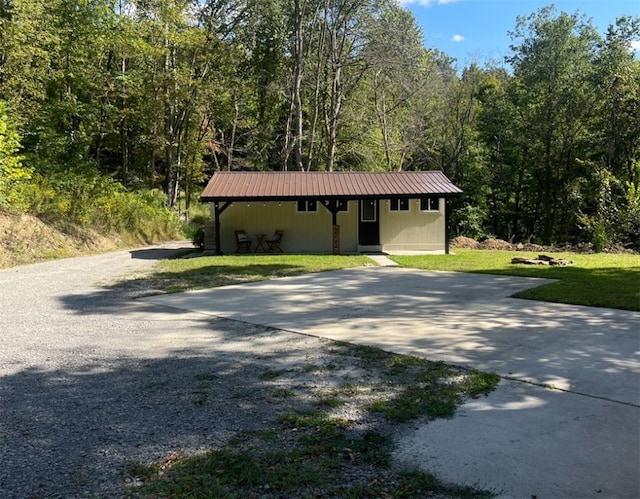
(457, 38)
(635, 46)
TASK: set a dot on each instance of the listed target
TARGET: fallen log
(529, 261)
(560, 261)
(542, 260)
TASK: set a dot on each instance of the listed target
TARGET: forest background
(114, 113)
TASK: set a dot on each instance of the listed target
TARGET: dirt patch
(495, 244)
(464, 242)
(27, 239)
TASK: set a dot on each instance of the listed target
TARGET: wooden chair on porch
(243, 242)
(273, 244)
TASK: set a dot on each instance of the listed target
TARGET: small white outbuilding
(331, 212)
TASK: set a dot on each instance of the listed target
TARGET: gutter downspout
(447, 216)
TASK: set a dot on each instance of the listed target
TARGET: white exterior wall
(412, 230)
(304, 232)
(311, 232)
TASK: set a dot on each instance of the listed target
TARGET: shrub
(13, 174)
(195, 230)
(198, 238)
(104, 205)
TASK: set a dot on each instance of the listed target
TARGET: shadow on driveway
(464, 319)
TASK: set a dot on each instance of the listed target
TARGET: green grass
(598, 280)
(431, 389)
(182, 274)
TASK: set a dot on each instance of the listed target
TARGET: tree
(553, 68)
(295, 118)
(264, 72)
(399, 76)
(617, 80)
(12, 170)
(28, 44)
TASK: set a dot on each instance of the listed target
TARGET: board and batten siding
(304, 232)
(311, 232)
(412, 230)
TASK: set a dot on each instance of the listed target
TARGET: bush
(195, 230)
(104, 205)
(14, 176)
(198, 238)
(468, 221)
(599, 239)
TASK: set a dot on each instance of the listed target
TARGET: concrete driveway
(565, 420)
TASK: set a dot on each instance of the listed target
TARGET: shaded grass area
(598, 280)
(182, 274)
(314, 448)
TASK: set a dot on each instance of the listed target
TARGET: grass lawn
(182, 274)
(599, 280)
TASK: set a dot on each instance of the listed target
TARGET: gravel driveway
(91, 379)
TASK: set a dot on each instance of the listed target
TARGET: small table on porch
(260, 242)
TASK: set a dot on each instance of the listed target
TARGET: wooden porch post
(335, 239)
(217, 211)
(332, 206)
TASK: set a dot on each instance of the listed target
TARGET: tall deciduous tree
(399, 78)
(552, 61)
(507, 182)
(28, 45)
(617, 80)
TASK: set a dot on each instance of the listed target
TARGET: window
(429, 204)
(399, 204)
(307, 205)
(337, 204)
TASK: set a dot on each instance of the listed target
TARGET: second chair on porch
(273, 244)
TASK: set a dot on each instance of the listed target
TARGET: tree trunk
(169, 125)
(380, 105)
(234, 128)
(320, 74)
(332, 115)
(297, 83)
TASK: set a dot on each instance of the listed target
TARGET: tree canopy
(159, 94)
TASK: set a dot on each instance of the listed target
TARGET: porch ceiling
(282, 186)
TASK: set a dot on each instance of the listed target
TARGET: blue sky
(478, 29)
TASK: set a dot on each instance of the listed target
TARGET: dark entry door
(369, 226)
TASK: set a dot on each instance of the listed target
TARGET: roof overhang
(291, 186)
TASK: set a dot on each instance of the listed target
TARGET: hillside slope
(26, 239)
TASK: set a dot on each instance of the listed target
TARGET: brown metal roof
(251, 186)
